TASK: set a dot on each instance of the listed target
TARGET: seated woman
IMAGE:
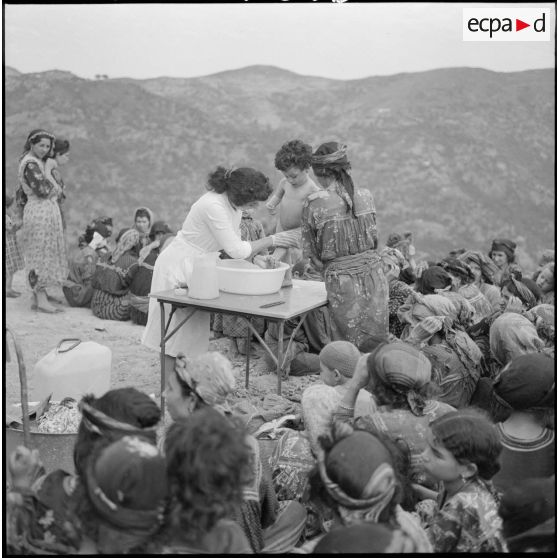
(92, 247)
(546, 281)
(483, 270)
(463, 283)
(360, 479)
(61, 495)
(208, 381)
(143, 219)
(511, 335)
(399, 376)
(543, 317)
(455, 358)
(502, 253)
(140, 287)
(394, 263)
(111, 280)
(526, 387)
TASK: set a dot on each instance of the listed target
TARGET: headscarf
(433, 280)
(465, 310)
(404, 369)
(158, 227)
(543, 316)
(363, 469)
(512, 335)
(527, 382)
(210, 376)
(127, 486)
(332, 156)
(457, 267)
(394, 260)
(522, 291)
(367, 538)
(443, 308)
(504, 245)
(126, 242)
(487, 266)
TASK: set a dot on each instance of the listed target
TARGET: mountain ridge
(458, 155)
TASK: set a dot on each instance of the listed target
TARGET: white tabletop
(298, 299)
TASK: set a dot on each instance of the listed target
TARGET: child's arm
(275, 198)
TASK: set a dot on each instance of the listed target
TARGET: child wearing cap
(338, 360)
(526, 388)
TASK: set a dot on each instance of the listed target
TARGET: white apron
(173, 267)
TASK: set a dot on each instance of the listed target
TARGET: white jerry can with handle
(73, 369)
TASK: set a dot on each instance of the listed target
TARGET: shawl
(487, 266)
(126, 242)
(41, 191)
(523, 292)
(513, 335)
(337, 160)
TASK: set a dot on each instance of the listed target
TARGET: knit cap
(527, 382)
(341, 356)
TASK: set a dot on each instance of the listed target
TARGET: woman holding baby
(213, 224)
(339, 236)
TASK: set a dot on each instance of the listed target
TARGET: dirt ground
(132, 363)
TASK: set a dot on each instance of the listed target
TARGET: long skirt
(358, 293)
(174, 267)
(14, 258)
(43, 242)
(109, 306)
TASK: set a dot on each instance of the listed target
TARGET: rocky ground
(132, 363)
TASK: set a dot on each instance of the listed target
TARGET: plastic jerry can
(73, 369)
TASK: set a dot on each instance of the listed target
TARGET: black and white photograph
(279, 277)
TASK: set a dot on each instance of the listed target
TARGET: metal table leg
(281, 324)
(163, 331)
(248, 351)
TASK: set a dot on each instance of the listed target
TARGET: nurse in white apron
(212, 224)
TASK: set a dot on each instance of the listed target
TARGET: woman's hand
(361, 377)
(25, 466)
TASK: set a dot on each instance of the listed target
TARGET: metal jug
(204, 283)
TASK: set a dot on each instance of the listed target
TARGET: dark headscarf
(504, 245)
(528, 382)
(520, 289)
(331, 157)
(158, 227)
(487, 266)
(458, 268)
(433, 278)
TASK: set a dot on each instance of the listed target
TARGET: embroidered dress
(110, 300)
(14, 258)
(468, 521)
(43, 234)
(357, 289)
(525, 459)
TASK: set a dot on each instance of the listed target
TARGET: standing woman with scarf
(43, 233)
(339, 236)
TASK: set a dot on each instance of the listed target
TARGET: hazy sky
(335, 40)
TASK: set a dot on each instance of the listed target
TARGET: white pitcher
(204, 283)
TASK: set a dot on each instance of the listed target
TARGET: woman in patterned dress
(43, 233)
(111, 280)
(339, 236)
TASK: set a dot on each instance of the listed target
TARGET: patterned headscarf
(126, 242)
(404, 369)
(210, 376)
(504, 245)
(393, 259)
(512, 335)
(360, 463)
(332, 156)
(543, 316)
(487, 266)
(522, 291)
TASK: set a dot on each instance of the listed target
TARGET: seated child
(293, 160)
(462, 454)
